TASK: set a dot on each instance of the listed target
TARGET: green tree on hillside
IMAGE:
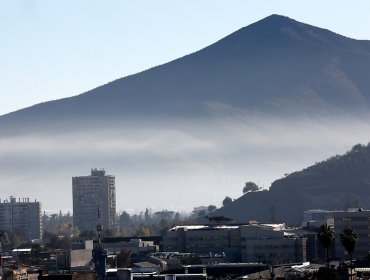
(212, 208)
(227, 200)
(250, 187)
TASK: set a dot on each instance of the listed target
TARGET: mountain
(340, 182)
(276, 66)
(269, 98)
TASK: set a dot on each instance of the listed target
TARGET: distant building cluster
(94, 202)
(241, 247)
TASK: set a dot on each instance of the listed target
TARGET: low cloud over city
(206, 160)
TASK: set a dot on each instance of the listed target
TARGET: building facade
(268, 243)
(356, 218)
(94, 201)
(204, 241)
(21, 217)
(272, 244)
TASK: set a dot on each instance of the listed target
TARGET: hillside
(339, 182)
(277, 67)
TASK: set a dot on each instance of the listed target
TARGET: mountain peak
(281, 24)
(281, 32)
(274, 66)
(276, 17)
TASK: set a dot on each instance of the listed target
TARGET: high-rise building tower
(94, 201)
(22, 217)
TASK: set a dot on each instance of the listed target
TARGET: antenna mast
(98, 228)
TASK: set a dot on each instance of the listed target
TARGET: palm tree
(325, 234)
(348, 239)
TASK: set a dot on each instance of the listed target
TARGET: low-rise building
(204, 240)
(271, 243)
(135, 246)
(238, 243)
(356, 218)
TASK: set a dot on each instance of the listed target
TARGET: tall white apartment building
(94, 201)
(21, 217)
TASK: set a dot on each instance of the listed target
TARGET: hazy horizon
(174, 166)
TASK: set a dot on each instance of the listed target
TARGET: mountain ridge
(233, 71)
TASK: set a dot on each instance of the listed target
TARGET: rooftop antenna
(98, 228)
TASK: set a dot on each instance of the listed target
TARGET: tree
(250, 187)
(124, 217)
(142, 231)
(227, 200)
(201, 213)
(325, 235)
(348, 239)
(59, 243)
(88, 234)
(36, 248)
(212, 208)
(177, 217)
(164, 214)
(4, 240)
(147, 215)
(75, 232)
(219, 219)
(16, 237)
(109, 233)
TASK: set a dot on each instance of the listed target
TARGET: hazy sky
(55, 49)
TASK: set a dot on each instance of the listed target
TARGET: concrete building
(267, 243)
(94, 201)
(272, 244)
(204, 240)
(22, 217)
(135, 246)
(356, 218)
(77, 259)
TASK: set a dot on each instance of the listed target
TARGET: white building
(94, 201)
